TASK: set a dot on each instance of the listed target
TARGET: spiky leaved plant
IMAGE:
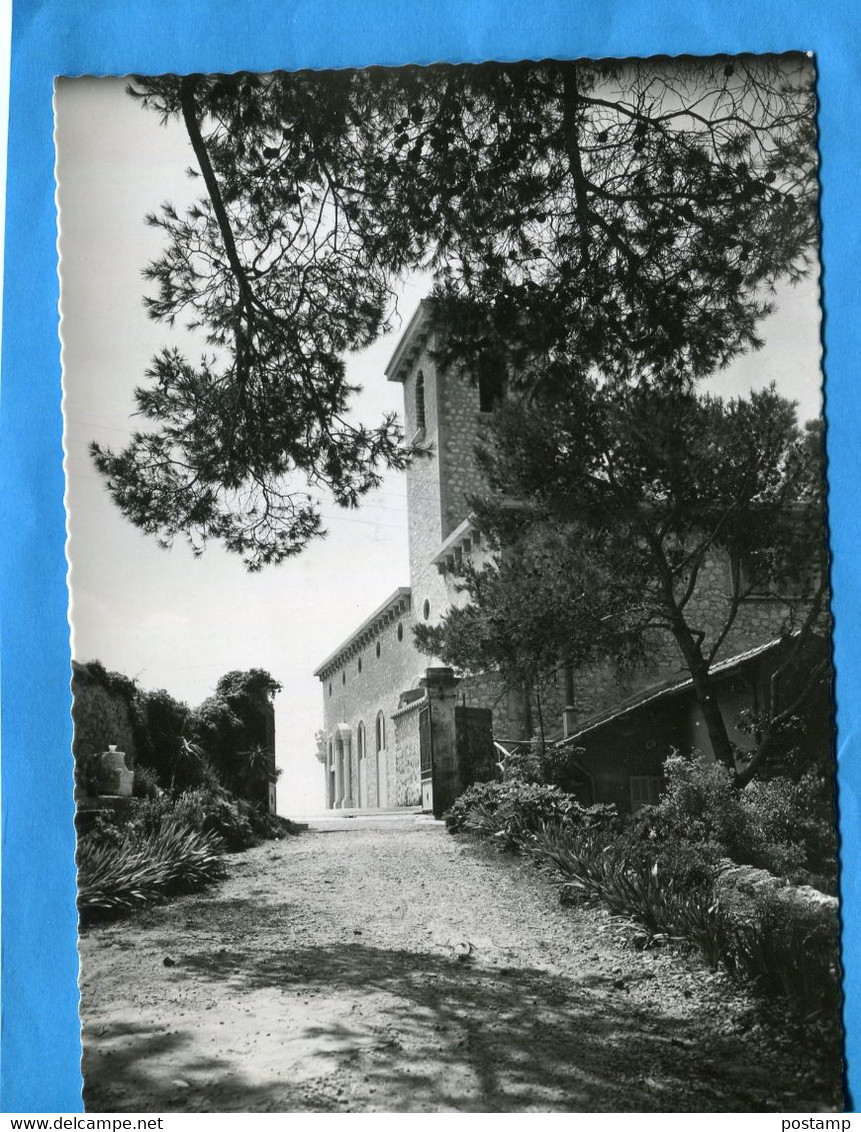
(141, 868)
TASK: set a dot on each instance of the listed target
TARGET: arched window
(360, 740)
(420, 400)
(381, 731)
(378, 649)
(426, 609)
(400, 630)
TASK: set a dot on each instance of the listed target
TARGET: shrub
(214, 811)
(774, 809)
(107, 828)
(88, 770)
(701, 806)
(271, 827)
(140, 867)
(503, 823)
(817, 828)
(477, 794)
(513, 811)
(146, 782)
(648, 894)
(561, 766)
(543, 763)
(526, 763)
(646, 840)
(206, 809)
(147, 814)
(203, 809)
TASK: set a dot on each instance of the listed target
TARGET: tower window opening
(491, 391)
(420, 401)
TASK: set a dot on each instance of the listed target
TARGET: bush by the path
(138, 866)
(592, 865)
(206, 809)
(790, 952)
(759, 826)
(163, 844)
(511, 810)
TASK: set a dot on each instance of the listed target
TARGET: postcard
(447, 498)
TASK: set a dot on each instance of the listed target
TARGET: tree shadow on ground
(425, 1032)
(125, 1080)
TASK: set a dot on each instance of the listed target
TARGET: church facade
(400, 730)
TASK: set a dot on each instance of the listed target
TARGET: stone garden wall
(101, 716)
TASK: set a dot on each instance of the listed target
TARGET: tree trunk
(526, 692)
(706, 700)
(749, 771)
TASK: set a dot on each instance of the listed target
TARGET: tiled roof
(669, 687)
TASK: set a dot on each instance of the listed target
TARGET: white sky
(163, 617)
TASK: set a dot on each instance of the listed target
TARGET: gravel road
(386, 966)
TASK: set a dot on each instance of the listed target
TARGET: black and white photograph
(449, 588)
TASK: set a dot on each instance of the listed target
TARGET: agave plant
(641, 893)
(139, 869)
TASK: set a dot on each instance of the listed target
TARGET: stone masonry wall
(508, 707)
(462, 424)
(742, 890)
(351, 697)
(100, 717)
(759, 618)
(424, 501)
(408, 755)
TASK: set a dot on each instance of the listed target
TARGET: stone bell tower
(446, 412)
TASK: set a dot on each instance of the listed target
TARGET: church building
(395, 723)
(401, 730)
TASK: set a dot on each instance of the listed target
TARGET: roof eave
(394, 604)
(411, 341)
(722, 669)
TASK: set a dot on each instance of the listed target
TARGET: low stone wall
(741, 887)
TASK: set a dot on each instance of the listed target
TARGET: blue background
(40, 1039)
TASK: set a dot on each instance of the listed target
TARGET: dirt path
(391, 967)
